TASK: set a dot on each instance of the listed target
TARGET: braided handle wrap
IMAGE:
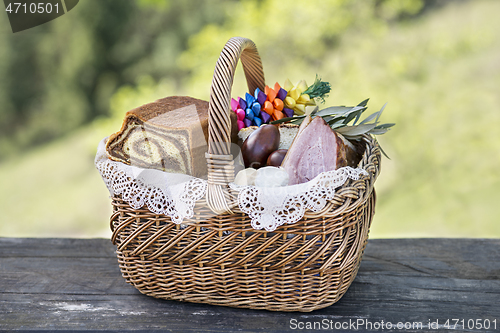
(219, 159)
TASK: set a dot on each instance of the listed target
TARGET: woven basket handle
(219, 159)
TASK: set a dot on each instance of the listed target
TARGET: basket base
(249, 288)
(210, 267)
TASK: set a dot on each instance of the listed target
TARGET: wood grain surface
(75, 284)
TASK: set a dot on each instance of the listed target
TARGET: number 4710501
(32, 8)
(471, 324)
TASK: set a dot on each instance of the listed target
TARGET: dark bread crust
(153, 110)
(151, 114)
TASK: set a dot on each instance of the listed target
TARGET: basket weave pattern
(222, 260)
(216, 257)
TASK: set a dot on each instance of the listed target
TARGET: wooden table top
(75, 284)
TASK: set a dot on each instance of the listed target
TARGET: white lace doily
(175, 195)
(271, 207)
(171, 194)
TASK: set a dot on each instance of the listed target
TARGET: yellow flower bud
(300, 107)
(298, 111)
(302, 86)
(290, 102)
(303, 99)
(294, 93)
(288, 85)
(311, 102)
(310, 109)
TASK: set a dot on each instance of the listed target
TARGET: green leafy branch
(318, 89)
(340, 117)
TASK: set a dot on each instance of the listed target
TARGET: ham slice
(315, 149)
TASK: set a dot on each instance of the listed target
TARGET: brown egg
(259, 145)
(276, 157)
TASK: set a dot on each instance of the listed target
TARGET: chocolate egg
(276, 157)
(259, 145)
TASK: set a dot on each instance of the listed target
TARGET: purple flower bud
(265, 117)
(261, 98)
(288, 112)
(281, 94)
(247, 122)
(243, 104)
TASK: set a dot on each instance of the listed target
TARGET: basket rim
(347, 197)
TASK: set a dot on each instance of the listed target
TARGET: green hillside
(439, 73)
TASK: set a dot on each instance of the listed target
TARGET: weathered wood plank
(75, 284)
(56, 247)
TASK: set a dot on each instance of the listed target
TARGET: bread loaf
(170, 134)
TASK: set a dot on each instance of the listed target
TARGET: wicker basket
(218, 258)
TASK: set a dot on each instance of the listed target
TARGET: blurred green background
(67, 84)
